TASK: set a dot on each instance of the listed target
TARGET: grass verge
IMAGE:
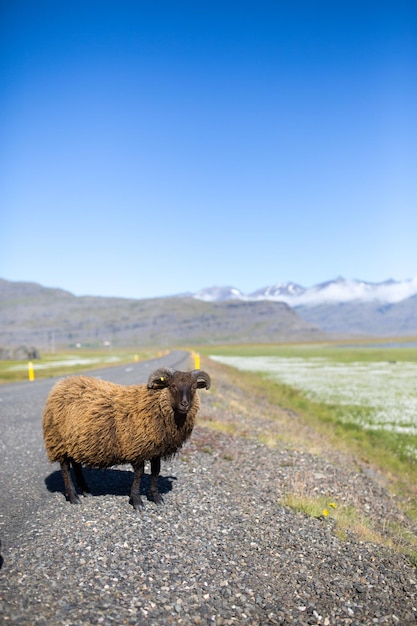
(71, 362)
(345, 518)
(392, 452)
(248, 404)
(379, 448)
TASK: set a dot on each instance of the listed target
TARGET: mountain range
(330, 292)
(341, 307)
(33, 315)
(45, 318)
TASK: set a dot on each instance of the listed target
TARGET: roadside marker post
(196, 360)
(31, 371)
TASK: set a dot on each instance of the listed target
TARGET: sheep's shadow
(109, 481)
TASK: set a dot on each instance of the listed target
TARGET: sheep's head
(181, 385)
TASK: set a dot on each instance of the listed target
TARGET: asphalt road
(24, 467)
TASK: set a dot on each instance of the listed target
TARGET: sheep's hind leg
(69, 485)
(153, 490)
(135, 499)
(79, 477)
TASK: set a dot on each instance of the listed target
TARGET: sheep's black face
(182, 394)
(181, 385)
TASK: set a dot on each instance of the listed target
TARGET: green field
(70, 362)
(363, 396)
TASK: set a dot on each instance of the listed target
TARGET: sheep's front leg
(153, 490)
(69, 485)
(135, 499)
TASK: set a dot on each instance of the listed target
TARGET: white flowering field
(375, 394)
(69, 361)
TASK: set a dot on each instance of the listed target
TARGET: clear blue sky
(152, 148)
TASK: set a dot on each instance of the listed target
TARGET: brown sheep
(88, 421)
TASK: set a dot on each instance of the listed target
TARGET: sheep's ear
(203, 379)
(160, 378)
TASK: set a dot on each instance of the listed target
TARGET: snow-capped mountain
(330, 292)
(219, 294)
(280, 292)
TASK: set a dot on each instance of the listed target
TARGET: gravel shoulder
(224, 549)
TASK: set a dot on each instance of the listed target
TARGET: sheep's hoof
(157, 498)
(137, 503)
(74, 499)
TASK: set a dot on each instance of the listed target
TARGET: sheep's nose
(183, 406)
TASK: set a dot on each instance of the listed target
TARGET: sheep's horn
(160, 378)
(203, 379)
